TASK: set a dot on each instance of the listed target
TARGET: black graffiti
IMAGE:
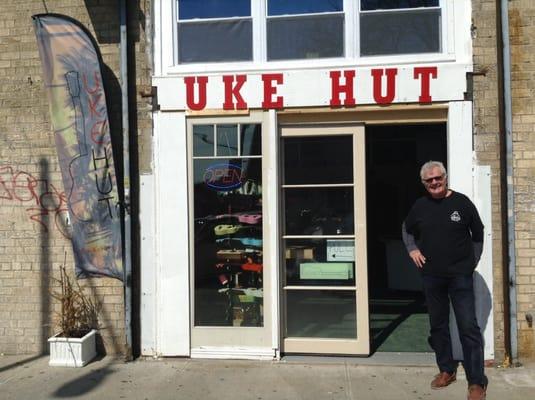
(110, 208)
(103, 176)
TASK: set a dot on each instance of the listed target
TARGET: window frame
(166, 50)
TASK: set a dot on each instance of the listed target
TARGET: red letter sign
(337, 88)
(390, 85)
(190, 88)
(425, 73)
(231, 92)
(270, 90)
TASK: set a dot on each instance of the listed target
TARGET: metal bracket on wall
(153, 94)
(469, 94)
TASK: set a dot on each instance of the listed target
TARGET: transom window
(271, 30)
(214, 30)
(305, 29)
(399, 27)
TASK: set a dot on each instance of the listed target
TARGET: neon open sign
(223, 177)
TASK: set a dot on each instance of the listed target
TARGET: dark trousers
(460, 289)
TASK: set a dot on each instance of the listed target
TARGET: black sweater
(445, 230)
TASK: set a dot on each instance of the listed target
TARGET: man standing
(444, 237)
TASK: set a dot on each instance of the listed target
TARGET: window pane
(228, 242)
(227, 140)
(215, 41)
(203, 140)
(321, 314)
(319, 211)
(366, 5)
(317, 160)
(285, 7)
(305, 37)
(400, 33)
(251, 141)
(236, 179)
(320, 262)
(190, 9)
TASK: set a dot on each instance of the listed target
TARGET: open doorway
(394, 155)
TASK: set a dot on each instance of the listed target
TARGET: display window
(228, 234)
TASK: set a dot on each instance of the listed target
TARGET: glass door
(230, 281)
(324, 267)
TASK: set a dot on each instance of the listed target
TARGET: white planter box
(72, 352)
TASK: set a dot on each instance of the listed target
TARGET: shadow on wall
(45, 270)
(483, 309)
(483, 301)
(105, 19)
(107, 339)
(46, 274)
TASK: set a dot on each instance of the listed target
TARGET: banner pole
(127, 281)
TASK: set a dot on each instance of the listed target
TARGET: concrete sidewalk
(30, 378)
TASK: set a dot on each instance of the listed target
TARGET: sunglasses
(434, 178)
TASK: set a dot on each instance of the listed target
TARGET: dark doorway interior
(394, 155)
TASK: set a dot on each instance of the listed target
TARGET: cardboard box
(301, 253)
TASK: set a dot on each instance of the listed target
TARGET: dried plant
(78, 313)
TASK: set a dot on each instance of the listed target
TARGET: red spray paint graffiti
(42, 198)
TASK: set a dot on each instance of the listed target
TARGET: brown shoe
(442, 380)
(476, 392)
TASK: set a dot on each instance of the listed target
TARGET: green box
(326, 270)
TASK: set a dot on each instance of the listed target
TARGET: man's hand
(418, 258)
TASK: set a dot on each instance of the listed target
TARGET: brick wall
(487, 144)
(487, 138)
(32, 245)
(522, 31)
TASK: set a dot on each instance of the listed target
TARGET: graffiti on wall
(45, 204)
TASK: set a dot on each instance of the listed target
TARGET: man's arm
(478, 250)
(408, 239)
(410, 244)
(477, 232)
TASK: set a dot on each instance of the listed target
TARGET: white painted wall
(172, 267)
(272, 203)
(483, 281)
(460, 148)
(473, 181)
(148, 265)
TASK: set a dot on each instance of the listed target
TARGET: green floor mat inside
(399, 325)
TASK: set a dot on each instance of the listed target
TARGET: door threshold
(233, 352)
(383, 358)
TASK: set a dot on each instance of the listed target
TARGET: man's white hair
(430, 165)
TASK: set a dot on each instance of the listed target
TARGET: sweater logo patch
(455, 216)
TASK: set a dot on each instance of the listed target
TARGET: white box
(72, 352)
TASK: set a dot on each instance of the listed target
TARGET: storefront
(287, 145)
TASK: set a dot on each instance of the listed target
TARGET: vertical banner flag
(71, 73)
